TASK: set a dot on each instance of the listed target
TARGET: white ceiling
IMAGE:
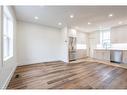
(52, 15)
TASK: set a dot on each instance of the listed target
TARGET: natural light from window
(7, 34)
(104, 39)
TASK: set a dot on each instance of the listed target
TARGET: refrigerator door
(72, 56)
(72, 44)
(72, 48)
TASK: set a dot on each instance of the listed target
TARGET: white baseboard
(9, 78)
(39, 62)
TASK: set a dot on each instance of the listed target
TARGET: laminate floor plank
(59, 75)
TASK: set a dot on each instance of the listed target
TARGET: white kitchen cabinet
(106, 55)
(102, 55)
(98, 54)
(119, 34)
(124, 59)
(96, 36)
(81, 53)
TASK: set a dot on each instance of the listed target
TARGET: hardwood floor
(58, 75)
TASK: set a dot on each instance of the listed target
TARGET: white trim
(7, 58)
(9, 78)
(9, 36)
(43, 62)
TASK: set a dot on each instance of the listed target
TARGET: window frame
(105, 43)
(7, 34)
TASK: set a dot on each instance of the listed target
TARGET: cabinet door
(106, 55)
(124, 57)
(102, 55)
(119, 34)
(80, 53)
(98, 54)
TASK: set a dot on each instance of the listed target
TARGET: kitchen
(111, 45)
(106, 45)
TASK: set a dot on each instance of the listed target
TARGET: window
(105, 38)
(7, 34)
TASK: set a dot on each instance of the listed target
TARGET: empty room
(63, 47)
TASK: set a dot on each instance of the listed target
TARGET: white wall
(64, 44)
(8, 66)
(37, 43)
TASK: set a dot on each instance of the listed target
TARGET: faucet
(105, 45)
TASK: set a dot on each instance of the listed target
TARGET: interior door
(92, 46)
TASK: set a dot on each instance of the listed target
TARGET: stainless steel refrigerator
(72, 48)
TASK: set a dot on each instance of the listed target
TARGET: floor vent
(16, 76)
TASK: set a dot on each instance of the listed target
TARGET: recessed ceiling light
(36, 17)
(71, 16)
(110, 15)
(120, 22)
(59, 23)
(89, 23)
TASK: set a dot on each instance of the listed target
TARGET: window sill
(7, 58)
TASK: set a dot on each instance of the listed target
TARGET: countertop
(109, 49)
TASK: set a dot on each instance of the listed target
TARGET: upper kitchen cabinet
(96, 36)
(72, 33)
(119, 34)
(81, 38)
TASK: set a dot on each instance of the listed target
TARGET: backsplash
(115, 46)
(119, 46)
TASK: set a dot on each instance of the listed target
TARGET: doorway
(92, 46)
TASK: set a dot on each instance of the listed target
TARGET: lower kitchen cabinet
(98, 54)
(81, 53)
(106, 55)
(124, 58)
(102, 54)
